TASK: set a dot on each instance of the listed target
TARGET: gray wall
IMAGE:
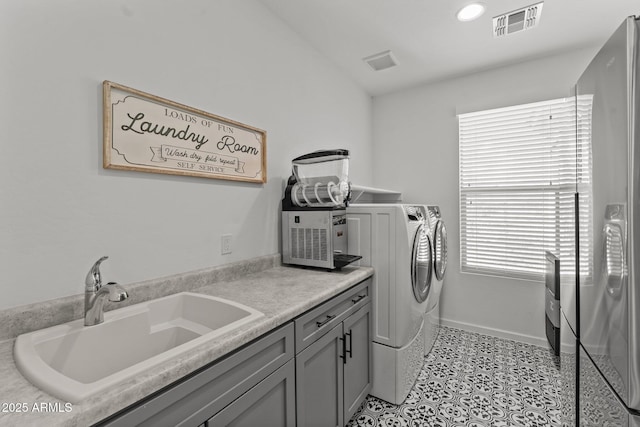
(60, 210)
(416, 152)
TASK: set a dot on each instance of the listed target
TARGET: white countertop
(281, 293)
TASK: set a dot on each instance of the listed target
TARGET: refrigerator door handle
(615, 263)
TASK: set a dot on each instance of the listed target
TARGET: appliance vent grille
(324, 250)
(517, 20)
(309, 243)
(381, 61)
(316, 244)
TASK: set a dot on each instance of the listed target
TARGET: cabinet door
(319, 382)
(270, 403)
(358, 370)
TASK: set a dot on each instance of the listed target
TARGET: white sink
(73, 361)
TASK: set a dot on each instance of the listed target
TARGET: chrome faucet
(95, 295)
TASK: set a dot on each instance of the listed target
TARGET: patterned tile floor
(475, 380)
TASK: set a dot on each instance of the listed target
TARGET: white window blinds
(519, 170)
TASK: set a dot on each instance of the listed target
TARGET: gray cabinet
(333, 361)
(319, 382)
(313, 371)
(358, 370)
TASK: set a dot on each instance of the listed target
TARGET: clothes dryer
(438, 234)
(394, 239)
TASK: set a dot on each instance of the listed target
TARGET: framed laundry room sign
(144, 132)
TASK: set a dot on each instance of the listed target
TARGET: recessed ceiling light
(470, 12)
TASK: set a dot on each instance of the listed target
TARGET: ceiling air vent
(518, 20)
(381, 61)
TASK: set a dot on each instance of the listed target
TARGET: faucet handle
(93, 281)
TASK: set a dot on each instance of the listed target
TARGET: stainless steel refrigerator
(605, 313)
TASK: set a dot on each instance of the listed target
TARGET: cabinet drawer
(194, 400)
(320, 320)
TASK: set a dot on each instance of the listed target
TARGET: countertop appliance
(607, 324)
(394, 239)
(314, 219)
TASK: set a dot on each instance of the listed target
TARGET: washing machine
(438, 235)
(394, 239)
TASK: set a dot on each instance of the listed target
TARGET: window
(519, 170)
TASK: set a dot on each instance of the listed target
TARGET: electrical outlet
(226, 244)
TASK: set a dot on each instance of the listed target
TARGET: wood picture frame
(143, 132)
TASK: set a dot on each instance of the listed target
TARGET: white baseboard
(529, 339)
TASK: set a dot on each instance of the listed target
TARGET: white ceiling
(430, 44)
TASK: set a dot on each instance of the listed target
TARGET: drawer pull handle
(325, 321)
(360, 297)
